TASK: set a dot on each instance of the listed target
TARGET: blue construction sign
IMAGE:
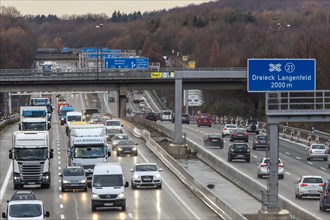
(126, 63)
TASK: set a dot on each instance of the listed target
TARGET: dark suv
(152, 116)
(239, 151)
(325, 196)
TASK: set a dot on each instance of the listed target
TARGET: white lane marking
(130, 215)
(287, 153)
(322, 168)
(61, 206)
(59, 157)
(59, 162)
(310, 163)
(59, 188)
(5, 182)
(59, 168)
(62, 216)
(60, 196)
(58, 152)
(287, 173)
(59, 181)
(175, 194)
(255, 156)
(298, 158)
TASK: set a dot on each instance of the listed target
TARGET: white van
(113, 127)
(25, 210)
(166, 115)
(108, 186)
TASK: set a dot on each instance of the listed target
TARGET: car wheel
(133, 186)
(63, 190)
(229, 159)
(322, 208)
(254, 148)
(308, 158)
(247, 140)
(223, 135)
(298, 195)
(281, 176)
(259, 175)
(198, 125)
(85, 189)
(248, 160)
(93, 208)
(325, 159)
(160, 186)
(231, 140)
(123, 207)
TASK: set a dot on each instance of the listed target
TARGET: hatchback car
(23, 195)
(317, 151)
(239, 134)
(204, 120)
(127, 147)
(116, 138)
(146, 174)
(152, 116)
(263, 168)
(325, 196)
(213, 139)
(228, 128)
(72, 178)
(185, 118)
(239, 151)
(260, 141)
(252, 125)
(308, 186)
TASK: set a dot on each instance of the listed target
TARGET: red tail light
(225, 129)
(234, 134)
(321, 184)
(263, 165)
(245, 134)
(281, 165)
(303, 184)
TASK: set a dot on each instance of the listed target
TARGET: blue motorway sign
(126, 63)
(265, 75)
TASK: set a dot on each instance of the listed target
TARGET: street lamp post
(101, 46)
(97, 52)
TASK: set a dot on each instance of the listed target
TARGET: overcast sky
(79, 7)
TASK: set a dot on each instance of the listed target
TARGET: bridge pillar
(122, 101)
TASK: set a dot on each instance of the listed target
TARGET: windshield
(31, 154)
(91, 111)
(73, 172)
(113, 123)
(25, 210)
(107, 180)
(146, 168)
(126, 142)
(63, 112)
(74, 118)
(120, 137)
(40, 126)
(93, 151)
(167, 113)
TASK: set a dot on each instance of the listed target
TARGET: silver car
(73, 177)
(146, 174)
(308, 186)
(116, 138)
(317, 151)
(263, 168)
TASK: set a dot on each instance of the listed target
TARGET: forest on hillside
(214, 34)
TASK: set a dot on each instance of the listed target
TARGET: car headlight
(95, 196)
(83, 181)
(134, 148)
(135, 176)
(119, 149)
(121, 195)
(66, 181)
(157, 175)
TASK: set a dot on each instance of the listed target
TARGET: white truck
(72, 117)
(87, 147)
(34, 118)
(31, 154)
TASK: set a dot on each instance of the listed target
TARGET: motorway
(173, 201)
(292, 154)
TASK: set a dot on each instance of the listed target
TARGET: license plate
(240, 135)
(147, 179)
(74, 184)
(240, 155)
(32, 183)
(214, 140)
(108, 204)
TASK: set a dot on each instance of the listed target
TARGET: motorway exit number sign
(266, 75)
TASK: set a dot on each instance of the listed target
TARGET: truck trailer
(34, 118)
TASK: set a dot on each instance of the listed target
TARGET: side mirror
(51, 153)
(160, 169)
(60, 175)
(49, 125)
(10, 154)
(131, 170)
(109, 154)
(20, 126)
(47, 214)
(126, 184)
(4, 215)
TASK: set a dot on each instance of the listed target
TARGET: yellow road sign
(156, 75)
